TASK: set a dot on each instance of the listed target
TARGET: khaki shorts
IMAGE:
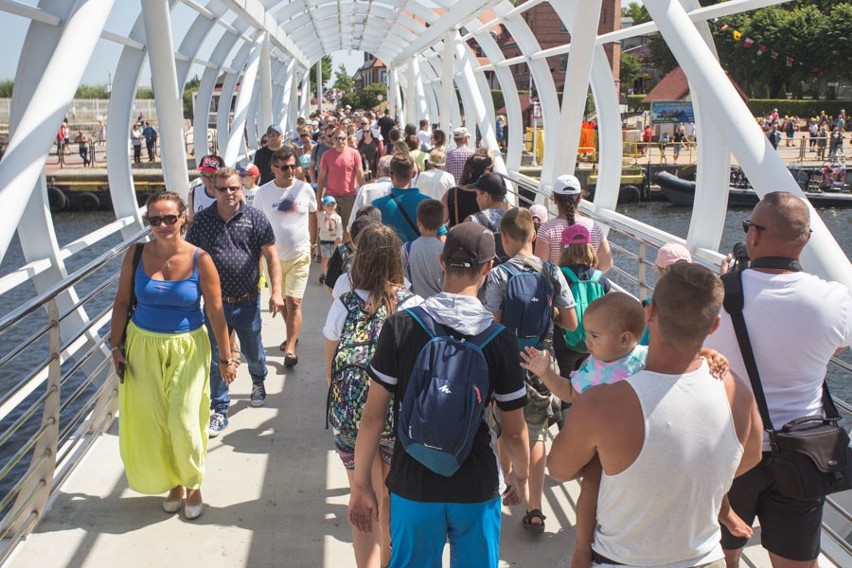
(344, 207)
(294, 275)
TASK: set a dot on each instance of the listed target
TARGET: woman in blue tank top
(164, 392)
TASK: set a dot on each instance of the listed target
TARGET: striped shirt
(551, 233)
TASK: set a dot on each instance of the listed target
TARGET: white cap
(567, 185)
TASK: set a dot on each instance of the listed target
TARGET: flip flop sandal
(534, 528)
(283, 346)
(290, 360)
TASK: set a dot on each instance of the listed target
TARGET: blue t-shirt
(168, 306)
(409, 198)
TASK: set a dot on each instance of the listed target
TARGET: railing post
(36, 491)
(642, 272)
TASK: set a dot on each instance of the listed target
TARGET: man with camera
(796, 322)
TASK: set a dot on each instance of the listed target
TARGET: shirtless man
(670, 438)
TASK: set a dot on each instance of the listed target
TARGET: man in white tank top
(670, 439)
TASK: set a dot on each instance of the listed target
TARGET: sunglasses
(748, 224)
(340, 138)
(231, 188)
(285, 167)
(157, 220)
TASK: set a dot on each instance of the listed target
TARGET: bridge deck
(276, 492)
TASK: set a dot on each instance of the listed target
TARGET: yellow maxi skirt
(164, 406)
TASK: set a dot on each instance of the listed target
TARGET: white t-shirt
(434, 183)
(796, 321)
(337, 312)
(292, 235)
(200, 199)
(368, 193)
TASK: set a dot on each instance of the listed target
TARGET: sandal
(534, 528)
(291, 360)
(283, 346)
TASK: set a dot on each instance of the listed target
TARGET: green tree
(144, 93)
(188, 90)
(368, 97)
(631, 67)
(326, 73)
(344, 81)
(91, 92)
(636, 12)
(6, 87)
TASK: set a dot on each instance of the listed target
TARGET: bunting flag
(748, 42)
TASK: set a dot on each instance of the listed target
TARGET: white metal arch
(412, 37)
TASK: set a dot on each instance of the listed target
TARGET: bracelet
(227, 361)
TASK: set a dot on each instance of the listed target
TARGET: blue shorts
(419, 530)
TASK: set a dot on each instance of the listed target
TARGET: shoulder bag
(810, 456)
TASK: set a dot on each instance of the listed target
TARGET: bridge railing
(66, 394)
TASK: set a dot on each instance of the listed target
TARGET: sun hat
(460, 133)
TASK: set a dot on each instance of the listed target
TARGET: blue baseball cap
(328, 200)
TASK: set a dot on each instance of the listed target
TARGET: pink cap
(671, 253)
(539, 211)
(576, 234)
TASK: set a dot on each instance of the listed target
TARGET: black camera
(741, 259)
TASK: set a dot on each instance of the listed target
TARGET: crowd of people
(825, 134)
(458, 320)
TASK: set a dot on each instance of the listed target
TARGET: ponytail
(567, 207)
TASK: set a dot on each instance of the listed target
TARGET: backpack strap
(509, 269)
(596, 276)
(425, 321)
(407, 258)
(484, 220)
(402, 210)
(569, 274)
(484, 338)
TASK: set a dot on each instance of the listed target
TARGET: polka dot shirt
(234, 246)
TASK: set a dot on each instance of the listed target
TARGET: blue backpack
(585, 292)
(444, 402)
(528, 305)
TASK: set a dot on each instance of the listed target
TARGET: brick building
(550, 32)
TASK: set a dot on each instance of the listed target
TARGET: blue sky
(102, 66)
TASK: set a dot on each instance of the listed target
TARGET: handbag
(137, 254)
(810, 456)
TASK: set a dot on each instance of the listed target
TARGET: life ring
(629, 194)
(87, 201)
(57, 199)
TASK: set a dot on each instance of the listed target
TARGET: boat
(277, 492)
(681, 192)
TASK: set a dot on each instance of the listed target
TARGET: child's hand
(535, 361)
(718, 363)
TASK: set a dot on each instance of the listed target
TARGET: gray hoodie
(464, 314)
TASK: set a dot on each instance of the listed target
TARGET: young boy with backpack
(445, 360)
(419, 257)
(523, 293)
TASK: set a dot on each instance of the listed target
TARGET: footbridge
(276, 494)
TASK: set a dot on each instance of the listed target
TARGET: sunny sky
(102, 66)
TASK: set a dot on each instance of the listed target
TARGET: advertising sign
(666, 112)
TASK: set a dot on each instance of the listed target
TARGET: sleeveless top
(467, 204)
(200, 199)
(168, 306)
(675, 487)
